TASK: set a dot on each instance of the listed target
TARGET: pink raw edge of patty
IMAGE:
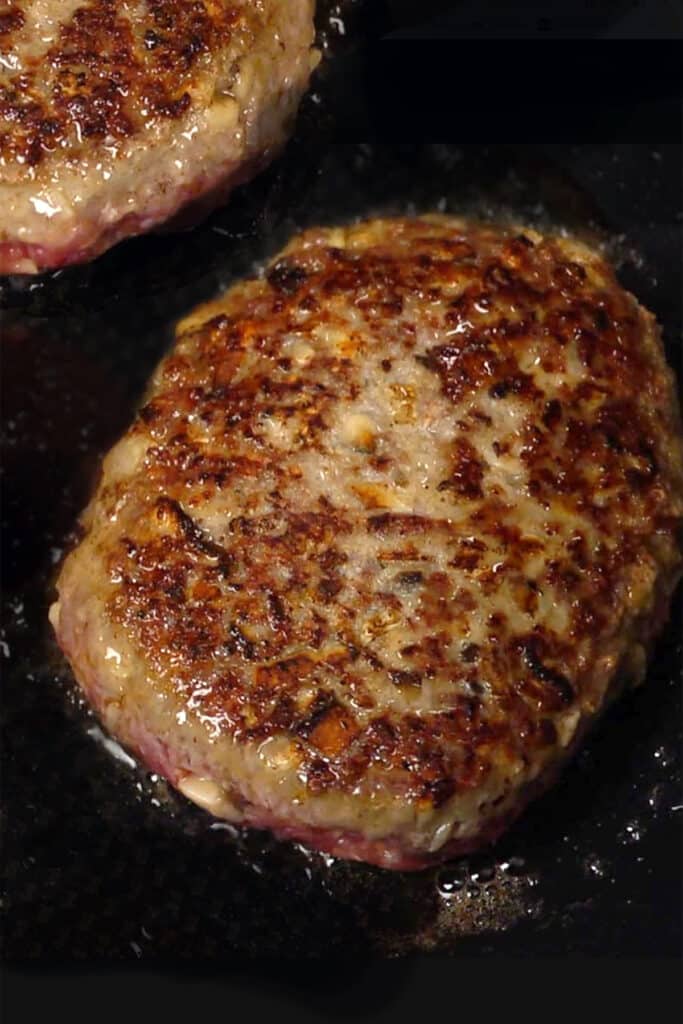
(191, 203)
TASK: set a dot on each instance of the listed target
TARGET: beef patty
(115, 114)
(396, 520)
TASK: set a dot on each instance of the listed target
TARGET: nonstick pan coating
(102, 863)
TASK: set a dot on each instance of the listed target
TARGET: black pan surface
(103, 864)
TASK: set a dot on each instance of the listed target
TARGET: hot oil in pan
(113, 862)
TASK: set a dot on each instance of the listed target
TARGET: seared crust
(87, 88)
(392, 523)
(106, 75)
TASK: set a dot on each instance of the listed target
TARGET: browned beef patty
(114, 114)
(395, 521)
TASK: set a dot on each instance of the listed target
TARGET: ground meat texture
(397, 519)
(115, 115)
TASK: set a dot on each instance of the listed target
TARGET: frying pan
(103, 863)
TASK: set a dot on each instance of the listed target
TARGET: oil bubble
(595, 866)
(663, 756)
(514, 866)
(448, 883)
(632, 833)
(484, 875)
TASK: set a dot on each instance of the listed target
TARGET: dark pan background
(103, 867)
